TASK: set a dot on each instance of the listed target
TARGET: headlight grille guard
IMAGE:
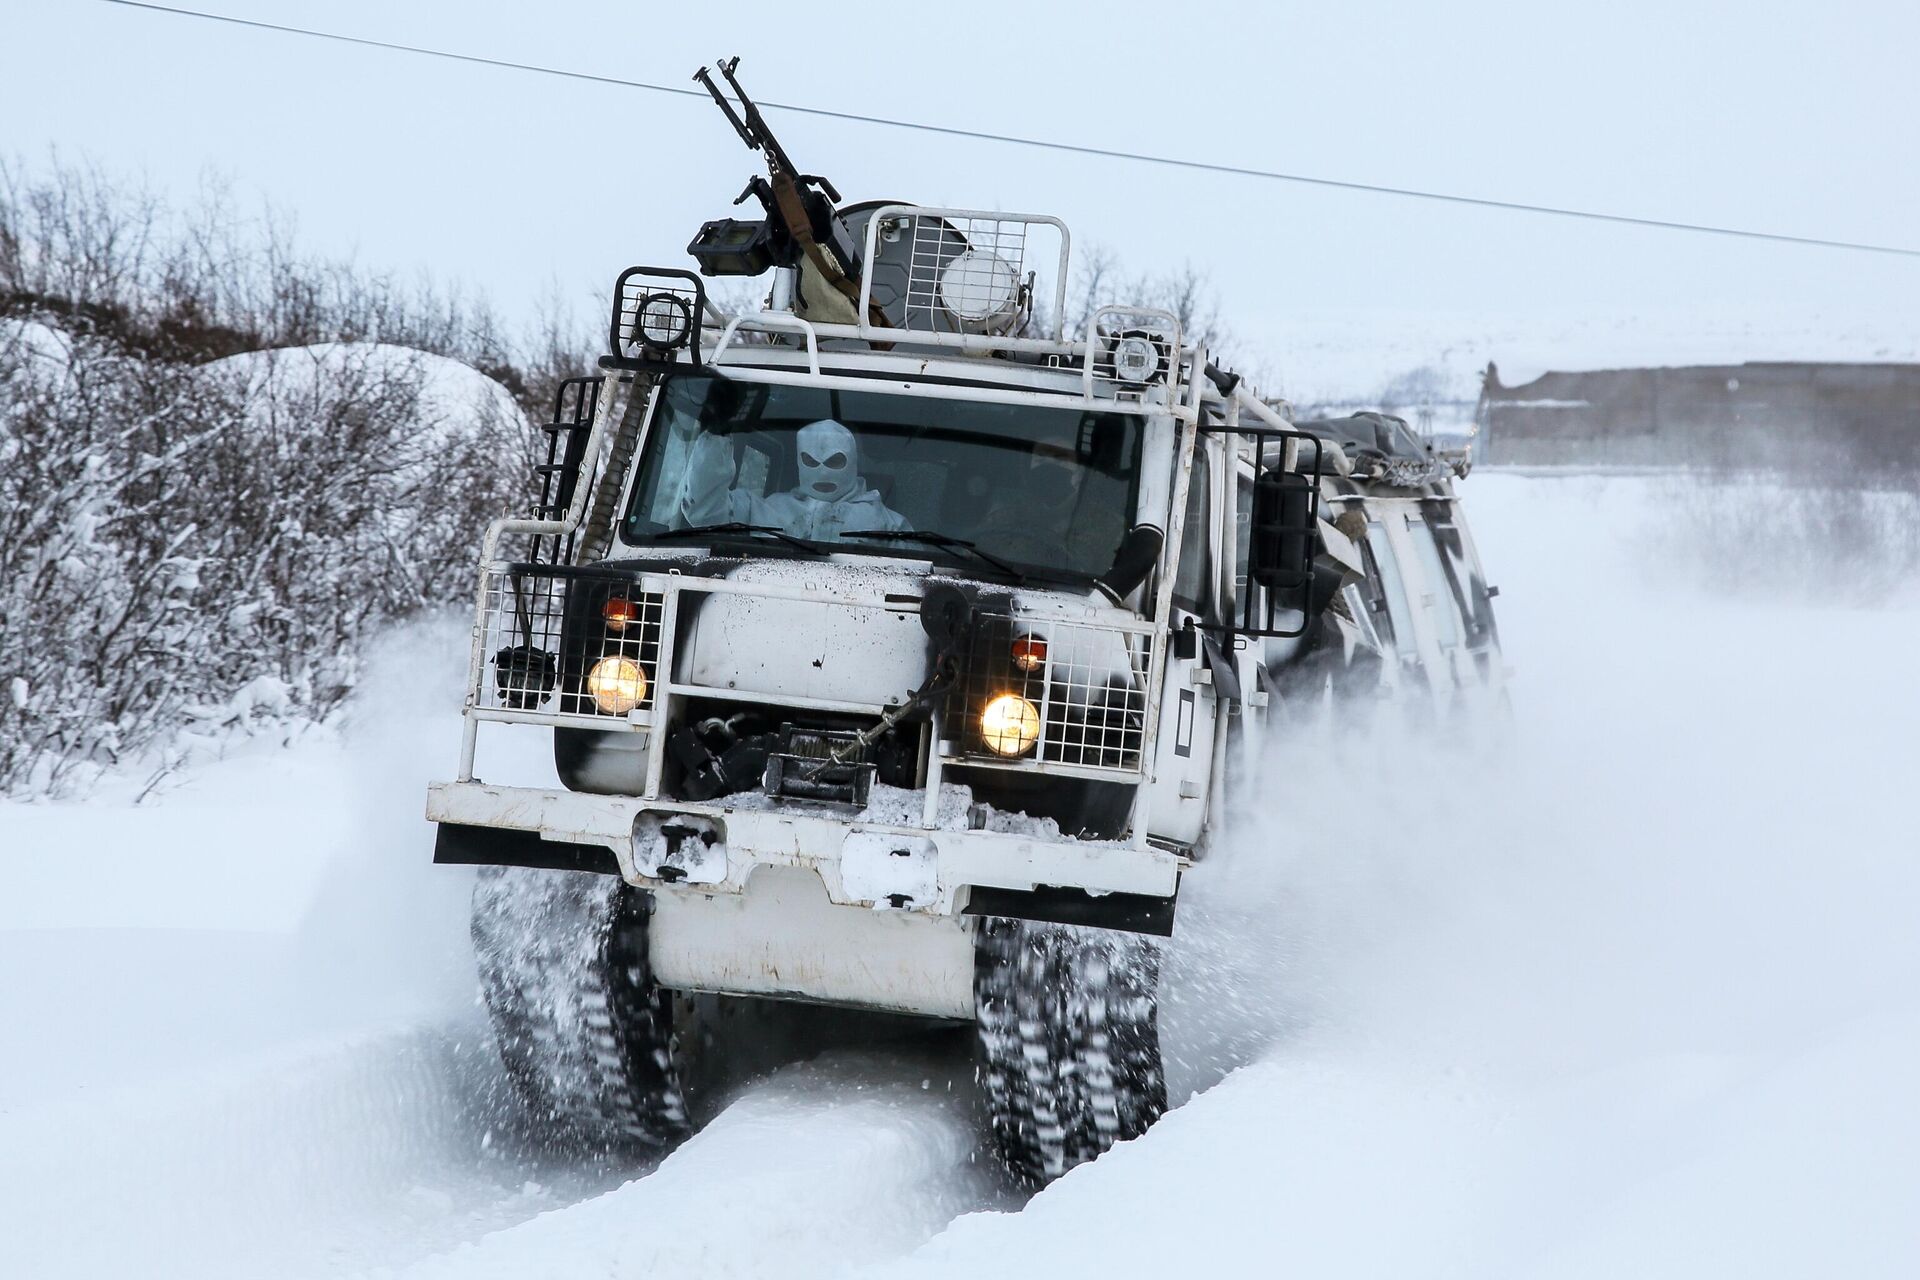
(1090, 690)
(543, 628)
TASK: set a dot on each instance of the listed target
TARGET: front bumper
(873, 865)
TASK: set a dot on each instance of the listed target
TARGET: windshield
(1038, 489)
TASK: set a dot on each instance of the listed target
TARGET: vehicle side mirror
(1283, 533)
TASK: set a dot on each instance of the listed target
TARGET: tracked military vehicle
(897, 648)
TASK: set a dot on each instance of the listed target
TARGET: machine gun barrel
(747, 121)
(802, 225)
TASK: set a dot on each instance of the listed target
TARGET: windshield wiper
(741, 526)
(933, 539)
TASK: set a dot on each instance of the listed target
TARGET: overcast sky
(1798, 118)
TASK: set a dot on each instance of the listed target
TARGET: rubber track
(1068, 1040)
(585, 1035)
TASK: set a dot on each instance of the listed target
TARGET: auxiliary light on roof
(663, 321)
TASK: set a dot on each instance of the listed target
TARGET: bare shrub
(97, 627)
(223, 467)
(1100, 279)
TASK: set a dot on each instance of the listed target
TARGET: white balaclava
(829, 461)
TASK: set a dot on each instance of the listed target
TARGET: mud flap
(458, 843)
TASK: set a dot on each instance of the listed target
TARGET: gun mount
(802, 229)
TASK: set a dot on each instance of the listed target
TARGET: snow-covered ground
(1636, 994)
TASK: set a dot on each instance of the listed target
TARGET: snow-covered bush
(202, 525)
(1803, 538)
(191, 550)
(356, 479)
(95, 599)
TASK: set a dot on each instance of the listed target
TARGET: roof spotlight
(1138, 358)
(663, 321)
(980, 291)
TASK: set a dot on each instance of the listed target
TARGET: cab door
(1189, 708)
(1253, 657)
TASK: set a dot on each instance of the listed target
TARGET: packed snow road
(1636, 993)
(244, 1041)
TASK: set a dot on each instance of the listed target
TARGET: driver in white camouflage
(831, 498)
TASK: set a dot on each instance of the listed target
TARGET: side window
(1469, 590)
(1196, 549)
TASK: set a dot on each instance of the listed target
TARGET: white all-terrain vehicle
(895, 644)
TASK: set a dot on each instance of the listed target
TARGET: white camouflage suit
(830, 499)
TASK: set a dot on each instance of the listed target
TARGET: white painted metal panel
(762, 837)
(817, 649)
(784, 937)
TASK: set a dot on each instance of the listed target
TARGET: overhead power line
(1243, 171)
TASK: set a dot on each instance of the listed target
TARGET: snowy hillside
(1635, 994)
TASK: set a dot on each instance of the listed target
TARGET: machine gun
(801, 228)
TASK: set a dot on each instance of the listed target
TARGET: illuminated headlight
(1137, 359)
(979, 290)
(663, 321)
(1010, 725)
(617, 684)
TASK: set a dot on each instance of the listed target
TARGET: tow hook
(679, 849)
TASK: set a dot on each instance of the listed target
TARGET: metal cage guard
(682, 292)
(987, 231)
(1285, 518)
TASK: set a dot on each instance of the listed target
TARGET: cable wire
(1242, 171)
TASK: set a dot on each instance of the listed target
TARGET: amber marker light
(1029, 653)
(619, 612)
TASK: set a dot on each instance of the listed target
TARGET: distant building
(1811, 417)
